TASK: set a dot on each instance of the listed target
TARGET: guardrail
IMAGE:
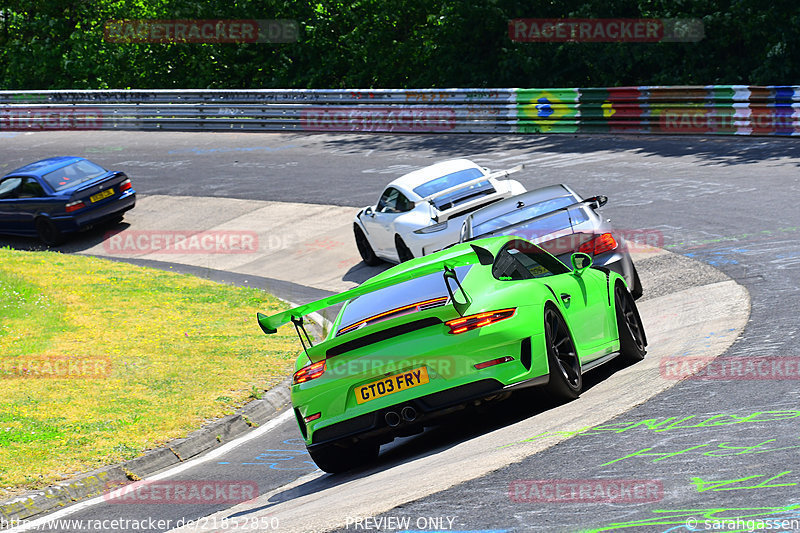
(715, 109)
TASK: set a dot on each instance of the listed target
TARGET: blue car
(61, 195)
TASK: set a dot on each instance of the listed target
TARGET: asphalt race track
(703, 450)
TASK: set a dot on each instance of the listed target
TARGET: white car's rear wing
(495, 175)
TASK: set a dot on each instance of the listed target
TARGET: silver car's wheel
(632, 340)
(636, 289)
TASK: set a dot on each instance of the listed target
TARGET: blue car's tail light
(74, 206)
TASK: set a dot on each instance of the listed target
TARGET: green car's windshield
(73, 174)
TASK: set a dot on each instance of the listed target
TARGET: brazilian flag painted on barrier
(547, 110)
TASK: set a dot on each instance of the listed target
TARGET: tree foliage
(59, 44)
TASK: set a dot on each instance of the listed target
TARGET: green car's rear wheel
(632, 340)
(335, 458)
(566, 381)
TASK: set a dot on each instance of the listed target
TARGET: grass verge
(100, 361)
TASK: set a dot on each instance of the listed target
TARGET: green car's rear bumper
(452, 377)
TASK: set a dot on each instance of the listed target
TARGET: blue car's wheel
(48, 232)
(566, 381)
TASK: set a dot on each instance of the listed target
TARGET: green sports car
(433, 334)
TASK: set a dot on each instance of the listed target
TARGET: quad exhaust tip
(409, 413)
(392, 419)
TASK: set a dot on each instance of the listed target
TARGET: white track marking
(222, 450)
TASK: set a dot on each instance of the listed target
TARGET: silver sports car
(560, 221)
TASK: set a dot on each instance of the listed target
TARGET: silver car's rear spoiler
(596, 200)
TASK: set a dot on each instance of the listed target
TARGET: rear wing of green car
(455, 257)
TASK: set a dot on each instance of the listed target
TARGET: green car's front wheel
(566, 381)
(335, 458)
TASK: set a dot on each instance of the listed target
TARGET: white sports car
(422, 212)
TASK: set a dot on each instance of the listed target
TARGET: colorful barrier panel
(706, 110)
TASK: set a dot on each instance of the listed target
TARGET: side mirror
(580, 262)
(369, 212)
(598, 201)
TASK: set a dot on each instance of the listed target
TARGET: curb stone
(40, 502)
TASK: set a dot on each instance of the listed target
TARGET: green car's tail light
(307, 373)
(599, 245)
(470, 322)
(493, 362)
(311, 418)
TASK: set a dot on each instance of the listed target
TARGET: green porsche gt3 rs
(436, 333)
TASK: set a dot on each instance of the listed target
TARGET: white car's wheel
(403, 252)
(364, 248)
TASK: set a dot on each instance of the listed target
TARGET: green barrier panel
(547, 110)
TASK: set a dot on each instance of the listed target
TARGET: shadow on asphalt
(456, 429)
(76, 242)
(362, 272)
(713, 151)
